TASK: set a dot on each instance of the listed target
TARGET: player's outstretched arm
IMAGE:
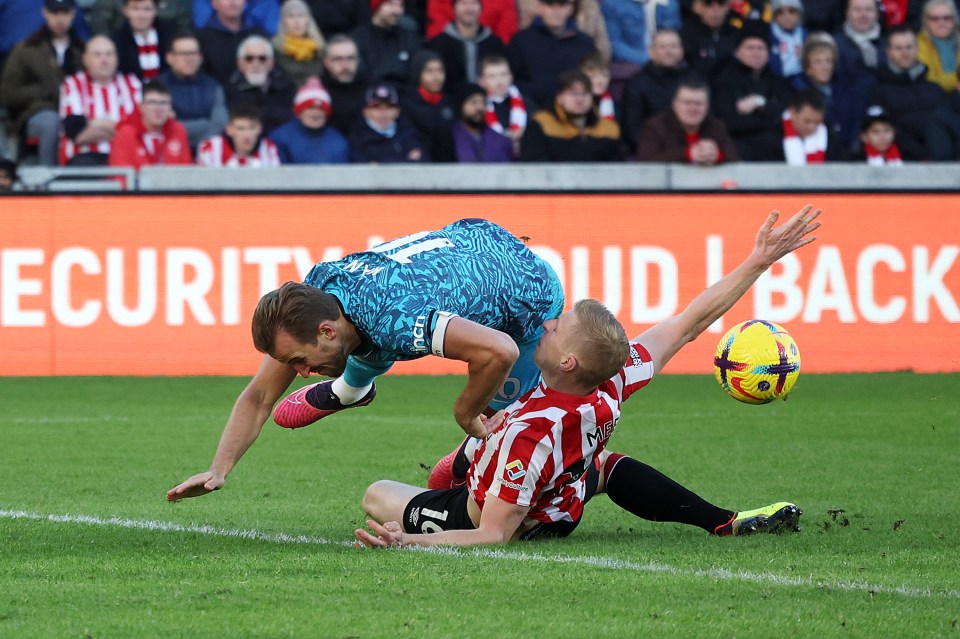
(664, 339)
(489, 355)
(249, 413)
(499, 521)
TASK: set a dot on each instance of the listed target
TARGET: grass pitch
(90, 547)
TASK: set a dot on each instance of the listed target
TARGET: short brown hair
(594, 61)
(295, 308)
(603, 347)
(490, 60)
(571, 78)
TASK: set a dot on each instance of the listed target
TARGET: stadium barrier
(165, 285)
(496, 178)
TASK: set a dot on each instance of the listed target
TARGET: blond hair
(602, 346)
(313, 31)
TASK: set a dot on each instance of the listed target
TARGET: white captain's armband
(439, 332)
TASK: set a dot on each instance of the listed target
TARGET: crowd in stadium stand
(268, 82)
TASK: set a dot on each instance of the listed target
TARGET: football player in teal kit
(470, 291)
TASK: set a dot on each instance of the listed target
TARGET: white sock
(348, 394)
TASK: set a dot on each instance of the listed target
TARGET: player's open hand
(481, 426)
(773, 243)
(493, 422)
(389, 535)
(199, 484)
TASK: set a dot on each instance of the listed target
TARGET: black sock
(321, 397)
(460, 463)
(649, 494)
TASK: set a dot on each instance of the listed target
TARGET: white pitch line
(168, 526)
(609, 563)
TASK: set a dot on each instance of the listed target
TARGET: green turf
(870, 458)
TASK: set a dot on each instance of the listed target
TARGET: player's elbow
(495, 536)
(256, 398)
(504, 353)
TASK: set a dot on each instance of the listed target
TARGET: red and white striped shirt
(79, 95)
(539, 456)
(217, 151)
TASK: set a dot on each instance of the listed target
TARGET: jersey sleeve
(404, 330)
(636, 373)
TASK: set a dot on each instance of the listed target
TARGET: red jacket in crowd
(133, 146)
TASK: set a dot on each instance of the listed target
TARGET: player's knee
(374, 499)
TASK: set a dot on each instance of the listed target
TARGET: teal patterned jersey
(472, 268)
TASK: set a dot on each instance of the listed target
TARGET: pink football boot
(442, 476)
(296, 410)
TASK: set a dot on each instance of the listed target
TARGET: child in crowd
(877, 135)
(506, 107)
(598, 70)
(241, 143)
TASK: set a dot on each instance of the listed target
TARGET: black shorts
(438, 510)
(557, 529)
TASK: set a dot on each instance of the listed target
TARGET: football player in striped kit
(546, 454)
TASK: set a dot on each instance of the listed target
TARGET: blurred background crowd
(263, 82)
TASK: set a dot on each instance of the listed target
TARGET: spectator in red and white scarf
(598, 70)
(878, 138)
(506, 108)
(241, 143)
(806, 139)
(142, 40)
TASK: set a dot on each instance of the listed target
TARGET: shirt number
(411, 246)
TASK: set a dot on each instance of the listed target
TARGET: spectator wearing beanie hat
(386, 43)
(787, 35)
(473, 139)
(750, 98)
(708, 36)
(307, 138)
